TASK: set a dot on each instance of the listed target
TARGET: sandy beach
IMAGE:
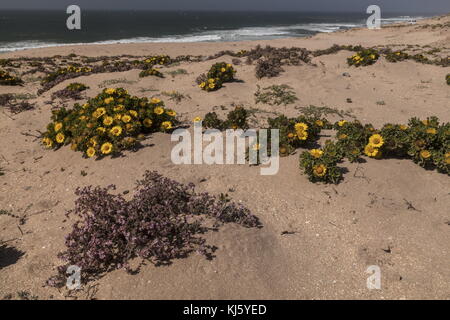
(317, 240)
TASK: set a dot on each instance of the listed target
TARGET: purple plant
(162, 222)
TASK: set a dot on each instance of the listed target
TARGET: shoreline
(181, 41)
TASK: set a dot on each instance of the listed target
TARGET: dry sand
(390, 213)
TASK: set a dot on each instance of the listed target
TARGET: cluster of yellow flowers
(211, 84)
(372, 149)
(161, 60)
(301, 131)
(7, 79)
(71, 69)
(363, 58)
(218, 74)
(109, 123)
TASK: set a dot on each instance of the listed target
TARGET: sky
(409, 6)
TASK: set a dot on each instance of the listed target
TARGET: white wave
(241, 34)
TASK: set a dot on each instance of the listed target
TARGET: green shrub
(150, 72)
(107, 124)
(275, 95)
(6, 79)
(365, 57)
(236, 119)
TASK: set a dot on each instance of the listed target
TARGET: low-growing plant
(365, 57)
(396, 56)
(352, 137)
(236, 119)
(157, 60)
(296, 132)
(177, 72)
(321, 164)
(175, 96)
(72, 91)
(268, 68)
(218, 74)
(151, 72)
(162, 221)
(69, 70)
(6, 79)
(107, 124)
(275, 95)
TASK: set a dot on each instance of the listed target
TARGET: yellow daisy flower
(376, 140)
(171, 113)
(302, 135)
(316, 153)
(425, 154)
(319, 123)
(167, 125)
(148, 122)
(47, 142)
(90, 152)
(301, 126)
(119, 107)
(58, 126)
(116, 131)
(108, 121)
(197, 119)
(106, 148)
(370, 150)
(108, 100)
(158, 110)
(155, 100)
(431, 131)
(319, 170)
(341, 123)
(101, 130)
(60, 138)
(110, 91)
(126, 118)
(133, 113)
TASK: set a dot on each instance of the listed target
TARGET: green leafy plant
(236, 119)
(6, 79)
(218, 74)
(107, 124)
(365, 57)
(151, 72)
(275, 95)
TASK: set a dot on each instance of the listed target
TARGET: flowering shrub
(219, 73)
(396, 56)
(161, 222)
(365, 57)
(296, 132)
(150, 72)
(157, 60)
(447, 78)
(321, 164)
(69, 70)
(6, 79)
(236, 119)
(107, 124)
(351, 138)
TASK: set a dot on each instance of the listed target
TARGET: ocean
(35, 29)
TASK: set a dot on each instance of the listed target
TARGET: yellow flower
(60, 138)
(148, 123)
(197, 119)
(108, 100)
(110, 91)
(223, 70)
(319, 123)
(447, 158)
(211, 80)
(341, 123)
(229, 65)
(158, 110)
(171, 113)
(92, 142)
(101, 130)
(342, 136)
(48, 142)
(116, 131)
(84, 106)
(202, 85)
(90, 152)
(108, 121)
(425, 122)
(431, 131)
(126, 118)
(118, 116)
(316, 153)
(319, 170)
(106, 148)
(302, 135)
(372, 56)
(290, 135)
(301, 126)
(119, 107)
(58, 126)
(133, 113)
(403, 127)
(129, 127)
(425, 154)
(155, 100)
(256, 147)
(166, 125)
(376, 140)
(370, 150)
(211, 85)
(99, 112)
